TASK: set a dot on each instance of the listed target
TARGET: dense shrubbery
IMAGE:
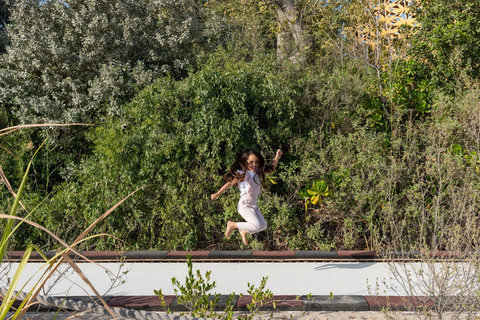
(80, 61)
(176, 139)
(401, 164)
(77, 61)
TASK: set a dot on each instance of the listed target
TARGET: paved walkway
(279, 315)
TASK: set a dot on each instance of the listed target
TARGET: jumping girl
(248, 171)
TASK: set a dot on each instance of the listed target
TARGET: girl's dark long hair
(240, 163)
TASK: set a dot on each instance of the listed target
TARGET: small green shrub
(194, 295)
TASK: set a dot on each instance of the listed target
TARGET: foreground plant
(51, 265)
(261, 297)
(194, 295)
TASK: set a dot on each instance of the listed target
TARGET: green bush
(175, 140)
(391, 185)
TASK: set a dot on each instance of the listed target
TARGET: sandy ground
(339, 315)
(294, 315)
(358, 315)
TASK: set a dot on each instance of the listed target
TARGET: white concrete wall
(296, 278)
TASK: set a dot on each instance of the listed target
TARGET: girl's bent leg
(261, 220)
(244, 236)
(230, 227)
(255, 222)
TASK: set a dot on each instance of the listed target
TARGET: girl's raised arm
(277, 158)
(225, 187)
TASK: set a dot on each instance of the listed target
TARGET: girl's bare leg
(230, 227)
(244, 236)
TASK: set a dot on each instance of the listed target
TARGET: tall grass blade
(78, 240)
(53, 267)
(8, 185)
(103, 216)
(85, 279)
(24, 304)
(15, 128)
(9, 152)
(36, 225)
(10, 297)
(13, 211)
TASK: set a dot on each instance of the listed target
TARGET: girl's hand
(214, 196)
(277, 159)
(279, 154)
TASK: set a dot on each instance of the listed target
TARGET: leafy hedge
(409, 180)
(174, 141)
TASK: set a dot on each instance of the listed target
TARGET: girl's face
(252, 163)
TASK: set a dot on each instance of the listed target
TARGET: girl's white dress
(250, 189)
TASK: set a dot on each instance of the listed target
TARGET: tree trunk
(291, 42)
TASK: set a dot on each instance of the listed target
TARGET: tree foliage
(77, 61)
(4, 18)
(446, 45)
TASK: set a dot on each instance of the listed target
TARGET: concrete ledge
(220, 255)
(337, 303)
(355, 254)
(182, 255)
(286, 303)
(35, 256)
(101, 255)
(316, 254)
(281, 303)
(220, 306)
(275, 256)
(149, 303)
(145, 255)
